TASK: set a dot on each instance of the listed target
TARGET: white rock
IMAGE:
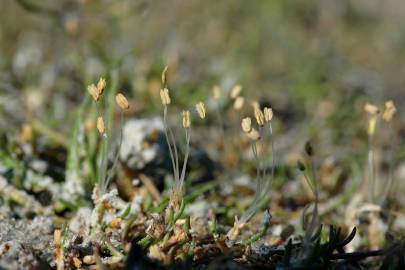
(134, 152)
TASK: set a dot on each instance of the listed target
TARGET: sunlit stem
(273, 163)
(371, 169)
(388, 188)
(262, 187)
(103, 161)
(172, 157)
(258, 166)
(187, 152)
(103, 164)
(117, 154)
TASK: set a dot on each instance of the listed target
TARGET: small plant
(373, 117)
(387, 116)
(178, 173)
(97, 92)
(263, 180)
(311, 227)
(100, 189)
(176, 196)
(163, 230)
(373, 112)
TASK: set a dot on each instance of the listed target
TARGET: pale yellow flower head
(122, 101)
(200, 107)
(186, 119)
(268, 114)
(93, 91)
(246, 124)
(100, 125)
(238, 104)
(259, 116)
(164, 95)
(255, 105)
(371, 109)
(101, 86)
(235, 92)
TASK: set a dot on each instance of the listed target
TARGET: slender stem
(183, 172)
(273, 162)
(103, 164)
(176, 155)
(258, 167)
(257, 236)
(261, 186)
(311, 178)
(371, 184)
(175, 170)
(388, 188)
(315, 182)
(273, 166)
(309, 181)
(259, 191)
(117, 154)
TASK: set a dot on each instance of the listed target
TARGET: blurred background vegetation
(315, 62)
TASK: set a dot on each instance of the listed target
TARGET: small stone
(89, 259)
(135, 152)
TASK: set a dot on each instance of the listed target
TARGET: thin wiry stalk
(309, 231)
(117, 154)
(313, 175)
(273, 163)
(103, 164)
(371, 169)
(263, 182)
(176, 155)
(258, 167)
(187, 152)
(388, 188)
(175, 169)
